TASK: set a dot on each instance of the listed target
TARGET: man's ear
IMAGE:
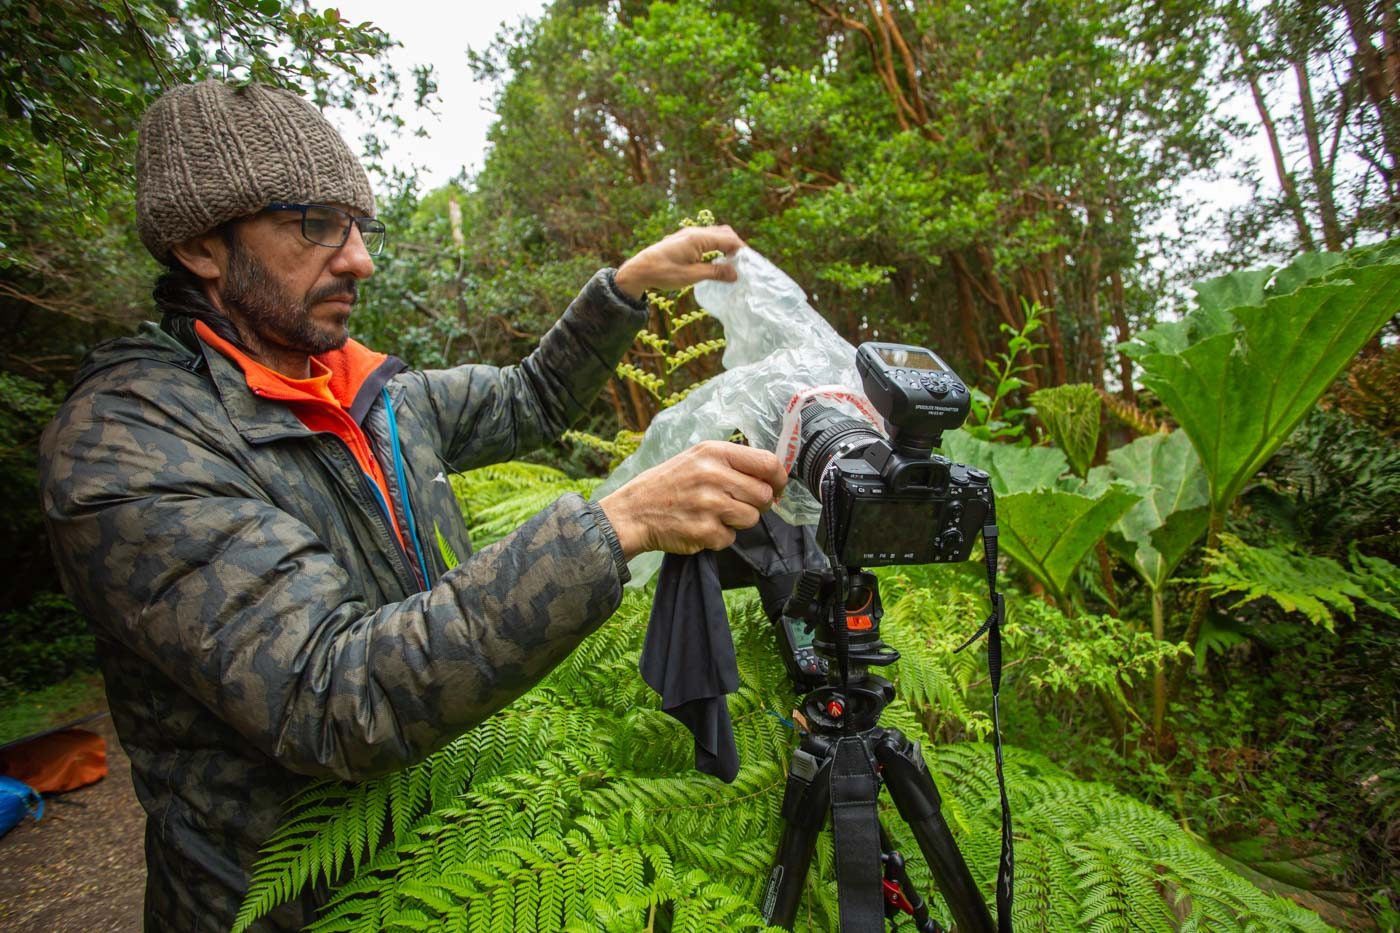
(205, 255)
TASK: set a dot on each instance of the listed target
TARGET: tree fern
(577, 808)
(498, 499)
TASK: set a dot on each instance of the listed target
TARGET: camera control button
(957, 473)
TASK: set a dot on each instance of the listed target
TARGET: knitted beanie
(207, 153)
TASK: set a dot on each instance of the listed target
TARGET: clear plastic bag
(776, 346)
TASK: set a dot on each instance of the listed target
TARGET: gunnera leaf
(1161, 528)
(1239, 393)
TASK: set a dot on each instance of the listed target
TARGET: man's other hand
(696, 500)
(677, 261)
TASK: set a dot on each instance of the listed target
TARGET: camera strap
(1006, 869)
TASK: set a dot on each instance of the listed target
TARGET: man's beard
(273, 317)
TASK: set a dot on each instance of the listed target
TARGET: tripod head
(842, 611)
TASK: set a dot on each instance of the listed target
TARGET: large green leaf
(1012, 469)
(1049, 531)
(1239, 394)
(1159, 530)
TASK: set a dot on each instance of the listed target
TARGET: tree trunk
(1285, 179)
(973, 347)
(1379, 74)
(1321, 173)
(1120, 324)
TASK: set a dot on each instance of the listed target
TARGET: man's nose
(352, 257)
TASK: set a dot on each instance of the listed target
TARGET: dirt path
(84, 867)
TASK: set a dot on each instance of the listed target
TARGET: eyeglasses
(330, 226)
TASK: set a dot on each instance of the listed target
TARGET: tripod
(839, 767)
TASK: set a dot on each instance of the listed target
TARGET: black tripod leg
(911, 787)
(806, 802)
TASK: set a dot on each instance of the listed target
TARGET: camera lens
(826, 434)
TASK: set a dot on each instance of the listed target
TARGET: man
(246, 504)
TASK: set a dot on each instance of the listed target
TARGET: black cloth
(688, 658)
(688, 655)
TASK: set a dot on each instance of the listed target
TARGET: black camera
(889, 499)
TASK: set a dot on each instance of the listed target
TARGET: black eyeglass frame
(366, 225)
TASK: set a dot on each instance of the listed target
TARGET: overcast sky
(438, 33)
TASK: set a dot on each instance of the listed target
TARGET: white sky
(438, 33)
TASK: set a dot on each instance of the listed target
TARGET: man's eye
(318, 228)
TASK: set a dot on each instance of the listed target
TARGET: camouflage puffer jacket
(259, 624)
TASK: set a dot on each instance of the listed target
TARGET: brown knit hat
(210, 152)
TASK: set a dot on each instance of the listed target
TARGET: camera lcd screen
(890, 531)
(908, 358)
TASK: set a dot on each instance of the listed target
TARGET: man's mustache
(346, 288)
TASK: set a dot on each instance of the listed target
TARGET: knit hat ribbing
(207, 153)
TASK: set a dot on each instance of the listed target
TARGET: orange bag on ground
(57, 761)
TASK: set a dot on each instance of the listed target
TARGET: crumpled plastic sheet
(776, 346)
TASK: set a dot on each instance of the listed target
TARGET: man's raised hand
(678, 261)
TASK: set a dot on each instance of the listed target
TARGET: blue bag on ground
(16, 799)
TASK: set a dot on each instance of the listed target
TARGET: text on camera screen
(908, 358)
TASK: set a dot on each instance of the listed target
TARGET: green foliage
(1049, 532)
(1157, 533)
(1336, 481)
(622, 446)
(77, 73)
(1317, 587)
(1046, 528)
(1239, 377)
(1011, 469)
(42, 643)
(1007, 371)
(38, 710)
(1072, 414)
(498, 499)
(25, 407)
(1050, 143)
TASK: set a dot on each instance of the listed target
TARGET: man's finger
(720, 238)
(757, 463)
(719, 271)
(751, 491)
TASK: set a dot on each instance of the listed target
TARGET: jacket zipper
(403, 567)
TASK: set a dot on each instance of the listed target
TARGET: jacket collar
(259, 420)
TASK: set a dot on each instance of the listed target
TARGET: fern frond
(649, 381)
(690, 317)
(1315, 586)
(449, 554)
(653, 340)
(675, 361)
(675, 398)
